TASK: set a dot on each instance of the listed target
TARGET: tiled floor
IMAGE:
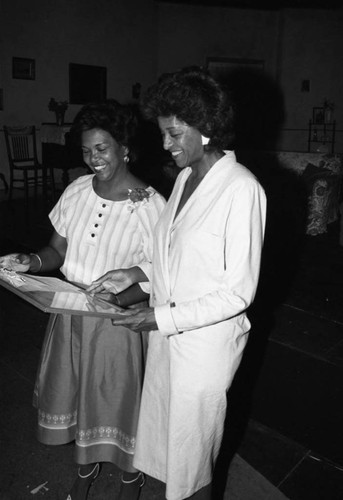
(286, 411)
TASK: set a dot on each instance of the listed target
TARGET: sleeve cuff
(165, 321)
(145, 286)
(146, 268)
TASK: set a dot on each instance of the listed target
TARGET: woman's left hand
(17, 262)
(114, 281)
(138, 320)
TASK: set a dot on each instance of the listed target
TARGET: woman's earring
(126, 157)
(204, 140)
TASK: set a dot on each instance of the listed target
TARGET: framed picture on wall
(87, 83)
(221, 67)
(318, 116)
(23, 68)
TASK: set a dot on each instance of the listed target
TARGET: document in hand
(54, 295)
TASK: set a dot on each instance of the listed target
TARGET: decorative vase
(328, 115)
(60, 116)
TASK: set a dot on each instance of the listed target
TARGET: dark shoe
(130, 489)
(82, 484)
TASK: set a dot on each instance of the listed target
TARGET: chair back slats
(21, 144)
(20, 147)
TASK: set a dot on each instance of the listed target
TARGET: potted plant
(59, 107)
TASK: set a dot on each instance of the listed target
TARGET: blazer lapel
(169, 224)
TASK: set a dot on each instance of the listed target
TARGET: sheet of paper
(30, 283)
(46, 284)
(54, 295)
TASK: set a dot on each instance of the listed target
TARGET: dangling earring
(204, 140)
(126, 156)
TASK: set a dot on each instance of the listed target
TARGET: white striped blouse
(102, 234)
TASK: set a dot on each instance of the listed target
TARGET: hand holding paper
(18, 262)
(113, 282)
(138, 320)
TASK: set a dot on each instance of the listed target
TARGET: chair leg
(52, 180)
(10, 190)
(26, 188)
(36, 186)
(45, 181)
(3, 178)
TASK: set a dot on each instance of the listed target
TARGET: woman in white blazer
(204, 275)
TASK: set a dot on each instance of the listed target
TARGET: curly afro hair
(118, 120)
(194, 97)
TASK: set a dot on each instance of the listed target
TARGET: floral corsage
(137, 197)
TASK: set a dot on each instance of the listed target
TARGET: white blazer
(205, 272)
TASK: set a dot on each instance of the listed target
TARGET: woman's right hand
(113, 281)
(19, 262)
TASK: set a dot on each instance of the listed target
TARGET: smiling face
(182, 141)
(102, 153)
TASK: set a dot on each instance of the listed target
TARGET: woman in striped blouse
(90, 376)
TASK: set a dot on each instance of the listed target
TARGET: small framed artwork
(318, 116)
(87, 83)
(305, 86)
(23, 68)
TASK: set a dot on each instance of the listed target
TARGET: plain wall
(295, 44)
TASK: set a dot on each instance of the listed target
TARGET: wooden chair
(25, 169)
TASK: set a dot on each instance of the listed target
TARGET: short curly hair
(194, 97)
(117, 119)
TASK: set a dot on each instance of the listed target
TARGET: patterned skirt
(88, 388)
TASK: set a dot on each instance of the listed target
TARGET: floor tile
(314, 480)
(300, 397)
(335, 353)
(306, 332)
(245, 483)
(269, 452)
